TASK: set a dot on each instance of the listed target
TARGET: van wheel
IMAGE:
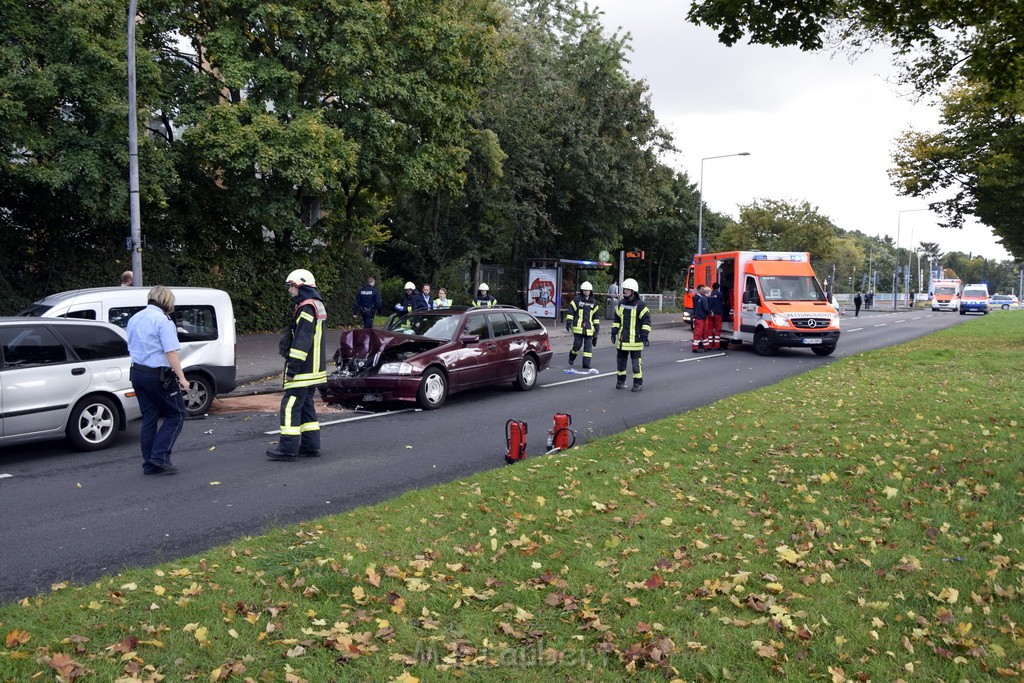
(200, 394)
(762, 346)
(526, 379)
(433, 390)
(823, 350)
(962, 311)
(93, 423)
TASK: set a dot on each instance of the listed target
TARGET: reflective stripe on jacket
(583, 315)
(632, 324)
(306, 361)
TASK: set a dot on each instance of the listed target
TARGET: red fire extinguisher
(515, 440)
(560, 437)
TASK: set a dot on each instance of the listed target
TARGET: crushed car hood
(372, 344)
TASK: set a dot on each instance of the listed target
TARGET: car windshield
(976, 292)
(432, 326)
(35, 311)
(791, 288)
(946, 291)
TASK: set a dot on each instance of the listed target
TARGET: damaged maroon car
(427, 355)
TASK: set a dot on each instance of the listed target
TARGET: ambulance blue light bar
(593, 264)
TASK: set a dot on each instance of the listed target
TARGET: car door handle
(78, 371)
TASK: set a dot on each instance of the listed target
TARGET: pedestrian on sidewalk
(368, 302)
(583, 321)
(630, 334)
(157, 379)
(856, 304)
(305, 368)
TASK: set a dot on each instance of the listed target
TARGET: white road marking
(900, 321)
(881, 324)
(578, 379)
(713, 355)
(358, 417)
(856, 329)
(6, 476)
(917, 318)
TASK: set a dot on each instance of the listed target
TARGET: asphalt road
(75, 516)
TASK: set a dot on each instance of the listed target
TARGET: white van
(204, 318)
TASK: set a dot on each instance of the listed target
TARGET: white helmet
(300, 277)
(483, 287)
(409, 285)
(586, 287)
(630, 284)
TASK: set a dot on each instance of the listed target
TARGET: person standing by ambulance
(713, 324)
(630, 334)
(302, 346)
(368, 302)
(583, 321)
(701, 310)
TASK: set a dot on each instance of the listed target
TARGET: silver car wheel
(434, 390)
(96, 423)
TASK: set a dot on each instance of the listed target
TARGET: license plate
(812, 341)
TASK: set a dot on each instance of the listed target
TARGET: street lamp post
(133, 153)
(899, 217)
(700, 191)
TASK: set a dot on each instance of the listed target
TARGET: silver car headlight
(395, 369)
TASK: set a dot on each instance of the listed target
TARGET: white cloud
(818, 127)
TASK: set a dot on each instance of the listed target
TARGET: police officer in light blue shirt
(157, 379)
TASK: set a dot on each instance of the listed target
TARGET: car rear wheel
(199, 395)
(823, 350)
(762, 345)
(93, 423)
(433, 390)
(1005, 307)
(526, 379)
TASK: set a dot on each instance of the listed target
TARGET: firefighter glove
(646, 341)
(614, 337)
(568, 326)
(595, 339)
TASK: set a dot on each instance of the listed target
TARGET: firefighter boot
(637, 386)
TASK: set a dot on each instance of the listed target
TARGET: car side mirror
(749, 298)
(469, 338)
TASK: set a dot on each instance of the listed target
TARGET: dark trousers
(367, 320)
(156, 403)
(638, 366)
(856, 310)
(586, 342)
(300, 430)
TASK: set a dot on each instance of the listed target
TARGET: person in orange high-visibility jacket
(630, 334)
(302, 346)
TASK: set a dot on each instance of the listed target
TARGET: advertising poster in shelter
(542, 299)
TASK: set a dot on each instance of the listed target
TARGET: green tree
(776, 225)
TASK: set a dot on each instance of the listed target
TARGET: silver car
(64, 377)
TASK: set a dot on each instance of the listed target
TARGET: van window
(86, 314)
(195, 323)
(120, 316)
(29, 346)
(94, 343)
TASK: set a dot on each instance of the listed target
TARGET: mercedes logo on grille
(812, 323)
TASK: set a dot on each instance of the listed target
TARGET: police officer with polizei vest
(483, 297)
(630, 334)
(302, 346)
(582, 320)
(368, 302)
(410, 301)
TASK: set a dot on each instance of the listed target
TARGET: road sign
(604, 256)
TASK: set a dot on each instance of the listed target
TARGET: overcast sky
(819, 128)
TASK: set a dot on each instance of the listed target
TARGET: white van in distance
(206, 329)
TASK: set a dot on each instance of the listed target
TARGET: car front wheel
(823, 350)
(433, 390)
(526, 379)
(199, 395)
(93, 423)
(762, 345)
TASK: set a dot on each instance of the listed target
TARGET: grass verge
(860, 522)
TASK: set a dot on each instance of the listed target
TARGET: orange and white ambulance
(772, 300)
(946, 294)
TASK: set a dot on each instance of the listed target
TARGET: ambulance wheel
(962, 311)
(526, 378)
(762, 345)
(823, 350)
(433, 390)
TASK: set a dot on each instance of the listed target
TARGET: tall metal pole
(910, 263)
(133, 152)
(700, 198)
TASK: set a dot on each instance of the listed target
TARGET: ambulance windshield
(791, 288)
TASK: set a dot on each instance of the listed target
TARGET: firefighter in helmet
(302, 346)
(483, 297)
(408, 303)
(582, 320)
(630, 334)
